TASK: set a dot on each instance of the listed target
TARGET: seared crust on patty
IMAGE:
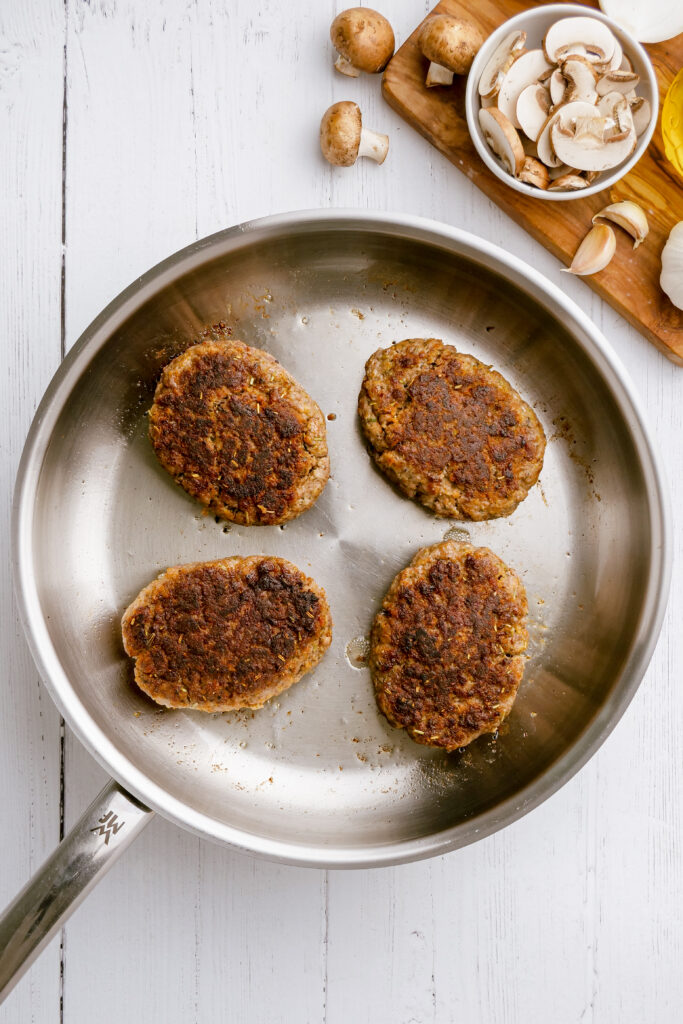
(239, 434)
(215, 636)
(446, 646)
(448, 430)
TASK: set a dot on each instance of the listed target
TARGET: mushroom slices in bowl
(552, 102)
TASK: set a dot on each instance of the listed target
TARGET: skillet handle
(97, 840)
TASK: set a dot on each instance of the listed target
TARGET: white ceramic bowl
(535, 23)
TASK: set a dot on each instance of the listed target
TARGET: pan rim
(104, 749)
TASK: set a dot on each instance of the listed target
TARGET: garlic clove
(671, 279)
(629, 216)
(594, 253)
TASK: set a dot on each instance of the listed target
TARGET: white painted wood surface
(183, 118)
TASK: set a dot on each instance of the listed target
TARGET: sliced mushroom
(607, 105)
(489, 101)
(563, 37)
(626, 64)
(523, 72)
(533, 106)
(544, 142)
(558, 87)
(561, 171)
(503, 139)
(450, 45)
(568, 183)
(343, 139)
(529, 147)
(364, 41)
(498, 63)
(617, 56)
(615, 106)
(617, 81)
(581, 78)
(533, 172)
(641, 114)
(589, 142)
(575, 50)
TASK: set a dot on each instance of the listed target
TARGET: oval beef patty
(239, 434)
(446, 646)
(215, 636)
(448, 430)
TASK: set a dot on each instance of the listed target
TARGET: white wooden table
(129, 128)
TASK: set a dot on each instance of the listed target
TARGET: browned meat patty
(239, 434)
(448, 430)
(215, 636)
(446, 646)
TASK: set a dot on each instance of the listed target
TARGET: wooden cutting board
(631, 281)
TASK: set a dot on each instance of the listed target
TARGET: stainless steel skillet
(318, 777)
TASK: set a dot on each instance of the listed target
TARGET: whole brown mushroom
(364, 41)
(450, 45)
(343, 139)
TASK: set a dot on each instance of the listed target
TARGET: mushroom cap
(364, 37)
(451, 42)
(340, 130)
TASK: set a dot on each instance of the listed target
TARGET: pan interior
(319, 766)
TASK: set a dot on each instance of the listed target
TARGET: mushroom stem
(373, 145)
(346, 67)
(437, 74)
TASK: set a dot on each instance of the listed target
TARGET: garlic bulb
(649, 22)
(671, 278)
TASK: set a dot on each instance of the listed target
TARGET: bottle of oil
(672, 123)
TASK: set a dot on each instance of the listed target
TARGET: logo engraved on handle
(108, 826)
